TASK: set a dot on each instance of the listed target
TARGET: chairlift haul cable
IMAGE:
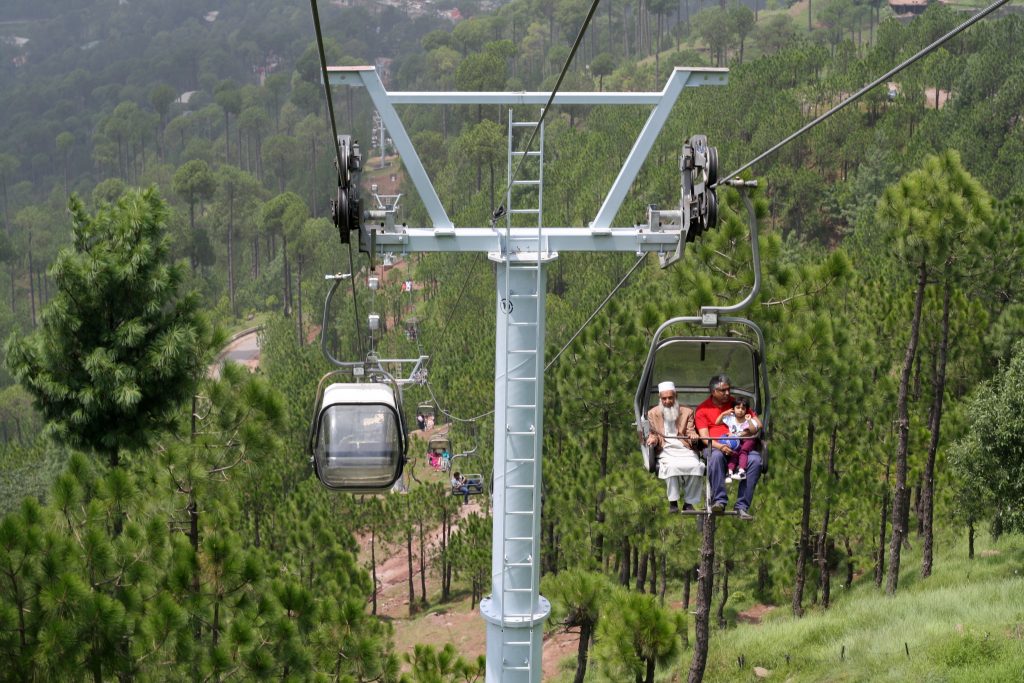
(884, 77)
(337, 152)
(327, 86)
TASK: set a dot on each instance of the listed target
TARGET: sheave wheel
(711, 220)
(712, 170)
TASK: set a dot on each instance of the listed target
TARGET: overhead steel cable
(884, 77)
(338, 162)
(451, 417)
(515, 173)
(327, 88)
(558, 83)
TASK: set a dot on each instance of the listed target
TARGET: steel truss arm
(367, 77)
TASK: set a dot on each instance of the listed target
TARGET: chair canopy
(439, 443)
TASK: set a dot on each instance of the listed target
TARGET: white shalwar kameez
(679, 466)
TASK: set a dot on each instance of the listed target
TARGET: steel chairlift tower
(515, 610)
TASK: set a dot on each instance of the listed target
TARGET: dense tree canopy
(892, 256)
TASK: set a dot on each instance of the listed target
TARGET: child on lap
(741, 422)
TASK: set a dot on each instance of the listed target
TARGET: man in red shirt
(706, 418)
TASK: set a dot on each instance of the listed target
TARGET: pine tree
(121, 345)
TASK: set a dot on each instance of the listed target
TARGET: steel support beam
(681, 77)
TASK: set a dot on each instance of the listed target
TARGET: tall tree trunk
(705, 577)
(298, 301)
(726, 566)
(412, 575)
(641, 572)
(763, 577)
(31, 281)
(824, 577)
(938, 390)
(193, 538)
(423, 566)
(602, 473)
(624, 567)
(231, 252)
(582, 650)
(899, 523)
(652, 572)
(255, 256)
(880, 552)
(970, 541)
(915, 496)
(805, 526)
(444, 553)
(287, 276)
(663, 573)
(687, 578)
(373, 568)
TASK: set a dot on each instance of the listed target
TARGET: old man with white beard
(674, 439)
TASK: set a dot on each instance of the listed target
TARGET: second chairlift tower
(515, 610)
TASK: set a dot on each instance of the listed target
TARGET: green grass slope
(964, 623)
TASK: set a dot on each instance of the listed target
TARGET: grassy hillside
(965, 623)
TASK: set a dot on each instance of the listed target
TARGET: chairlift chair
(690, 361)
(439, 443)
(474, 484)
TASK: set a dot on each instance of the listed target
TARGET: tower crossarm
(680, 78)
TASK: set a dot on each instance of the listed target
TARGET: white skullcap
(666, 386)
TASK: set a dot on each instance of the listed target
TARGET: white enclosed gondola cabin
(359, 443)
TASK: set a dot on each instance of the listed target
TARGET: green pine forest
(166, 170)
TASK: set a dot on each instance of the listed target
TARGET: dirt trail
(455, 623)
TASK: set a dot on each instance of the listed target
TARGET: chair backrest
(690, 362)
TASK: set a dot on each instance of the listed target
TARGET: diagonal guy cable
(597, 310)
(884, 77)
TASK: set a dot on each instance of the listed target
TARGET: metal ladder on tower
(523, 334)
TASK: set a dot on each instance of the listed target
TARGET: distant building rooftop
(904, 7)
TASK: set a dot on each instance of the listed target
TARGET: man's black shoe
(673, 507)
(687, 506)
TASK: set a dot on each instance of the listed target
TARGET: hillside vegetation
(160, 524)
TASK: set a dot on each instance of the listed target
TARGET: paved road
(244, 350)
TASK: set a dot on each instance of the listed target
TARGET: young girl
(741, 422)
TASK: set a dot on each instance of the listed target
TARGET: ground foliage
(209, 551)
